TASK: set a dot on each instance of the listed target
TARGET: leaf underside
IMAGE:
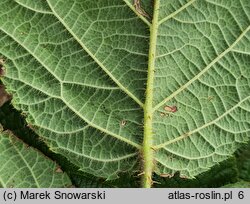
(25, 167)
(78, 70)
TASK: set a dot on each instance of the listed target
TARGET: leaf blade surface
(78, 69)
(25, 167)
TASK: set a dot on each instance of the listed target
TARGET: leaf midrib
(148, 155)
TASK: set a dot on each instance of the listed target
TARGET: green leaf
(121, 87)
(12, 120)
(220, 175)
(243, 162)
(240, 184)
(25, 167)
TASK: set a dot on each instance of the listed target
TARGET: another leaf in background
(243, 162)
(22, 166)
(239, 184)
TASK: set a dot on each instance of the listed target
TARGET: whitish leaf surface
(22, 166)
(80, 70)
